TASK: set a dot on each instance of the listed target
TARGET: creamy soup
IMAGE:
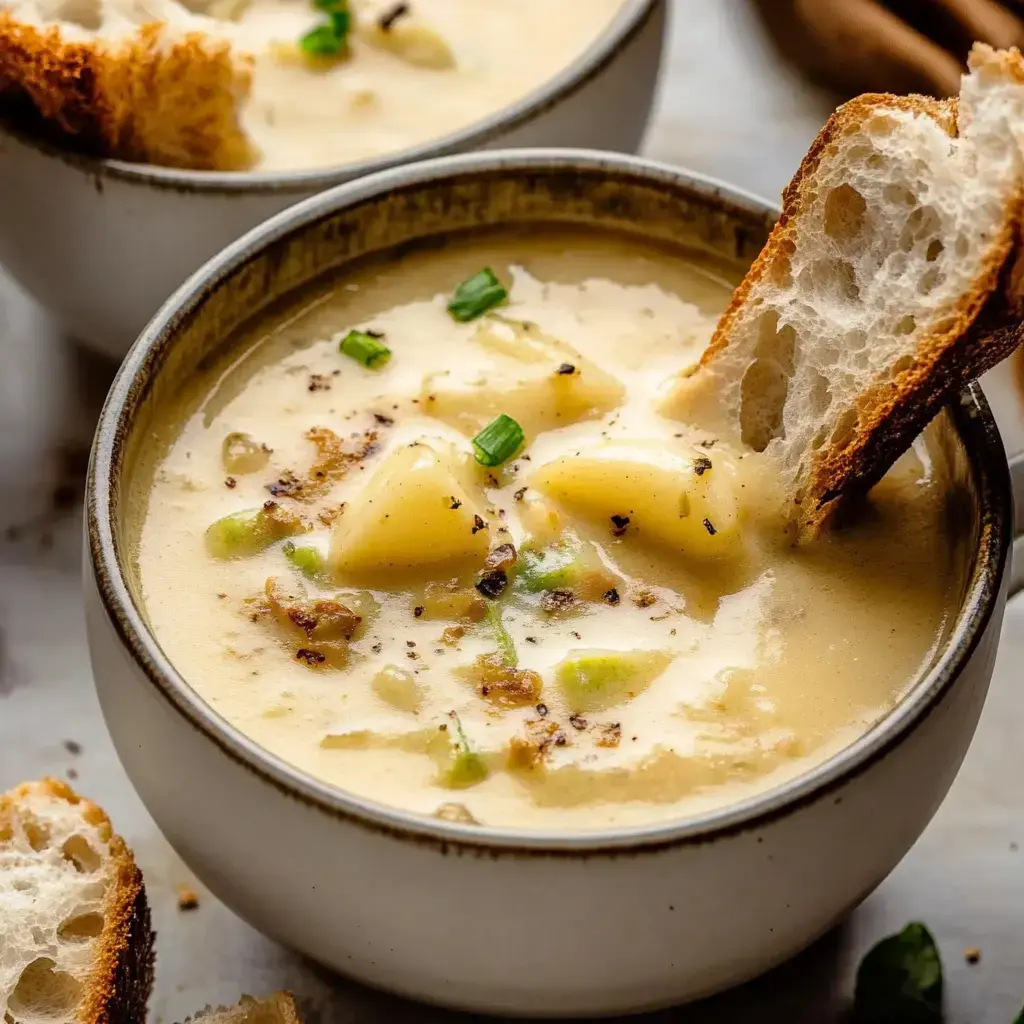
(399, 74)
(606, 626)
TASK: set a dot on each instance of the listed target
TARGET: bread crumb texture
(75, 937)
(151, 96)
(873, 300)
(276, 1009)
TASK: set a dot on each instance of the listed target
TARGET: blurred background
(747, 87)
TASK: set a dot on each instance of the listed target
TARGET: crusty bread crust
(970, 340)
(276, 1009)
(145, 98)
(122, 978)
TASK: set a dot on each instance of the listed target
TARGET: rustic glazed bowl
(102, 243)
(488, 919)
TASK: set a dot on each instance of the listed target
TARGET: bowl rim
(628, 22)
(972, 420)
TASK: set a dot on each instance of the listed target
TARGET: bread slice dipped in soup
(437, 537)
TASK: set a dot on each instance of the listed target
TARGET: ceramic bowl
(496, 920)
(102, 243)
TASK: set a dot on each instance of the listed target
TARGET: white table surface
(727, 109)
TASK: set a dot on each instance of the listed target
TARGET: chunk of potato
(411, 40)
(415, 513)
(688, 505)
(398, 687)
(538, 380)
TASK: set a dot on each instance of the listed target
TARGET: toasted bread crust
(118, 989)
(282, 1004)
(145, 98)
(894, 410)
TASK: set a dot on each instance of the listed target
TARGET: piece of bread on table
(76, 946)
(276, 1009)
(879, 291)
(151, 93)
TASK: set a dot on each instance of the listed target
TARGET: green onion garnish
(506, 645)
(476, 295)
(308, 560)
(365, 348)
(330, 39)
(498, 441)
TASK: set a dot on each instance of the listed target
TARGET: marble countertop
(728, 109)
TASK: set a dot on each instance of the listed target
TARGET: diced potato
(541, 520)
(414, 514)
(451, 601)
(687, 505)
(398, 687)
(596, 680)
(411, 40)
(539, 381)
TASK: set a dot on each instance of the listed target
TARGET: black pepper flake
(611, 596)
(519, 494)
(411, 654)
(443, 727)
(230, 482)
(391, 15)
(478, 525)
(708, 443)
(532, 640)
(565, 369)
(577, 636)
(310, 657)
(709, 527)
(269, 505)
(619, 524)
(410, 643)
(492, 583)
(418, 610)
(73, 747)
(455, 503)
(701, 465)
(384, 421)
(542, 710)
(375, 334)
(560, 740)
(318, 382)
(578, 722)
(377, 648)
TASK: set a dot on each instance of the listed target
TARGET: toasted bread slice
(153, 96)
(877, 294)
(74, 923)
(276, 1009)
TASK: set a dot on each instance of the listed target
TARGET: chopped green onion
(498, 441)
(467, 767)
(248, 532)
(322, 41)
(506, 645)
(308, 560)
(476, 295)
(365, 348)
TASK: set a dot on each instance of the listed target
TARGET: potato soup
(428, 538)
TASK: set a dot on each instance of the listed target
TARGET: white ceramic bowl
(102, 243)
(493, 919)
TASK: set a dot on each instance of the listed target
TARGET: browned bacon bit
(559, 600)
(287, 485)
(501, 557)
(560, 740)
(384, 421)
(388, 18)
(619, 524)
(329, 514)
(478, 525)
(451, 635)
(609, 735)
(323, 621)
(418, 610)
(319, 382)
(309, 656)
(526, 752)
(578, 722)
(230, 482)
(500, 683)
(492, 583)
(333, 460)
(644, 599)
(565, 369)
(519, 494)
(701, 465)
(611, 597)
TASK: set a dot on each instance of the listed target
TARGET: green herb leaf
(498, 441)
(308, 560)
(476, 295)
(506, 645)
(1020, 1017)
(900, 980)
(322, 41)
(467, 767)
(365, 348)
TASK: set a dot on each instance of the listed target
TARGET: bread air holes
(905, 325)
(765, 385)
(830, 279)
(923, 222)
(845, 208)
(81, 927)
(44, 995)
(819, 396)
(77, 850)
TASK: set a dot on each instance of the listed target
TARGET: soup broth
(607, 628)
